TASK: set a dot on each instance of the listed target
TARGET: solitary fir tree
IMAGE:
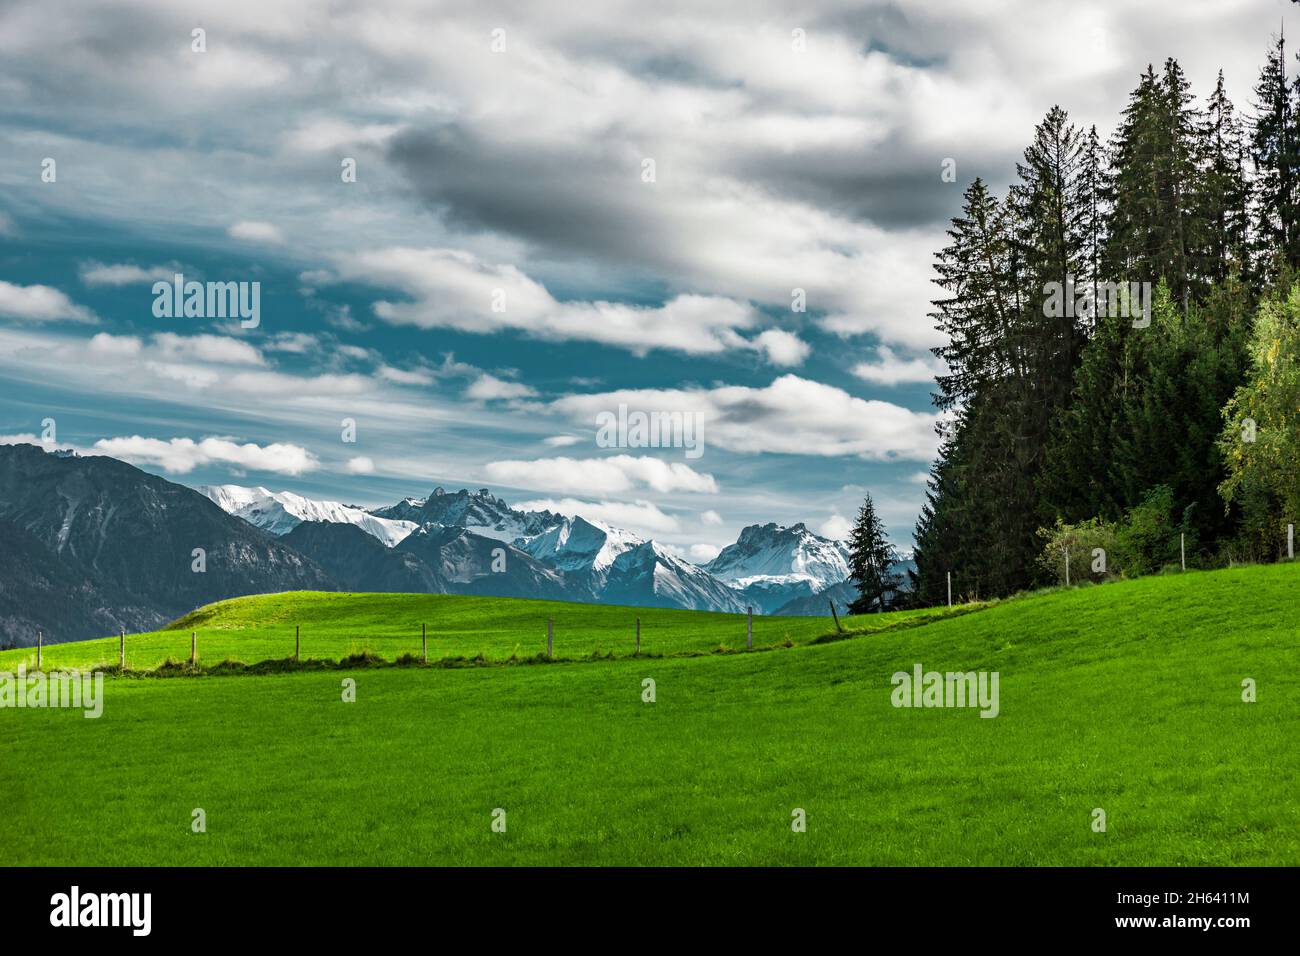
(871, 558)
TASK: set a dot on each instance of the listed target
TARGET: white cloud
(703, 553)
(792, 415)
(600, 476)
(890, 369)
(402, 376)
(182, 455)
(710, 517)
(218, 349)
(103, 343)
(360, 465)
(489, 388)
(99, 273)
(326, 135)
(455, 289)
(836, 527)
(296, 343)
(562, 441)
(782, 348)
(253, 231)
(40, 303)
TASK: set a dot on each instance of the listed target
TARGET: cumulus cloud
(40, 303)
(99, 273)
(403, 376)
(103, 343)
(890, 369)
(600, 476)
(296, 343)
(360, 465)
(254, 231)
(703, 553)
(451, 288)
(782, 348)
(218, 349)
(488, 388)
(180, 456)
(792, 415)
(836, 527)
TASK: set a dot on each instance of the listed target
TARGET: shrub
(1091, 545)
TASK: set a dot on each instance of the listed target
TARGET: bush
(1148, 538)
(1090, 544)
(1145, 541)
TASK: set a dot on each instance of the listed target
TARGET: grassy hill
(1125, 697)
(336, 625)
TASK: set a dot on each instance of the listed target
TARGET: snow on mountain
(650, 576)
(771, 554)
(582, 559)
(279, 512)
(478, 512)
(577, 544)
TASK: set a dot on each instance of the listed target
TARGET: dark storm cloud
(579, 201)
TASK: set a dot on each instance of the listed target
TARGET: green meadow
(1126, 697)
(336, 625)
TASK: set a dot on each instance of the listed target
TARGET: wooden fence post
(549, 624)
(424, 643)
(950, 589)
(1067, 567)
(121, 648)
(638, 638)
(749, 628)
(39, 641)
(297, 641)
(835, 615)
(1290, 541)
(194, 647)
(1182, 549)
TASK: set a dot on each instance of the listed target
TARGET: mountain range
(88, 545)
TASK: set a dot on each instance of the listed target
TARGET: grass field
(336, 625)
(1125, 697)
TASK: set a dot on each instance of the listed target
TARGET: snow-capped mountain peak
(773, 553)
(279, 512)
(651, 576)
(579, 544)
(479, 512)
(766, 568)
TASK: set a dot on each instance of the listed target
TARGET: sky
(475, 228)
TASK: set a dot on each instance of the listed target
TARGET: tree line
(1123, 347)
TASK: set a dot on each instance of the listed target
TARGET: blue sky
(521, 171)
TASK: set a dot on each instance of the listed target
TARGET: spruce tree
(871, 561)
(1275, 153)
(1156, 228)
(1226, 193)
